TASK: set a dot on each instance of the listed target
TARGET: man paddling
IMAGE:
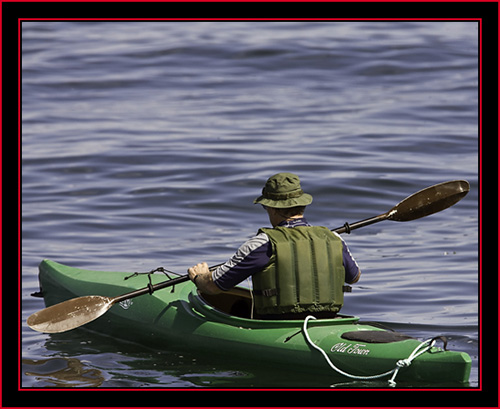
(297, 269)
(70, 314)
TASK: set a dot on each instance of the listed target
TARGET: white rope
(400, 364)
(250, 287)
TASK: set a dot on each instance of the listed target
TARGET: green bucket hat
(283, 191)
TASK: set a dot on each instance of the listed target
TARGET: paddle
(76, 312)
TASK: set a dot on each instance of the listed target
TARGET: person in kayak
(296, 269)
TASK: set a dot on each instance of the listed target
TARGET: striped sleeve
(250, 258)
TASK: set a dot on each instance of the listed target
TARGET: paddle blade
(430, 200)
(69, 314)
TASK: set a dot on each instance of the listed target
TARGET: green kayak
(180, 317)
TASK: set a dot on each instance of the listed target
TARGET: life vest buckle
(268, 292)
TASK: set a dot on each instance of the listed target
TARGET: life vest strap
(270, 292)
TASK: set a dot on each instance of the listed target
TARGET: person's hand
(200, 268)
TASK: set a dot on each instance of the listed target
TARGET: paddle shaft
(150, 289)
(347, 228)
(422, 203)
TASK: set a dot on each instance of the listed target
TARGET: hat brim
(303, 200)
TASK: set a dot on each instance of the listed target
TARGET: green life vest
(305, 272)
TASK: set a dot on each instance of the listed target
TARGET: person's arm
(251, 257)
(352, 271)
(202, 277)
(356, 279)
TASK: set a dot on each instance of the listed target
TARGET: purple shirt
(254, 255)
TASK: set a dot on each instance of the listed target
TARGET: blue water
(144, 144)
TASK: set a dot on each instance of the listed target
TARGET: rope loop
(150, 284)
(403, 363)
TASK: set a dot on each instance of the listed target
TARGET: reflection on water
(62, 372)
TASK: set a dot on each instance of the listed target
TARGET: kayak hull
(180, 317)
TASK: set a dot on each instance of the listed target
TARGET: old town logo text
(356, 349)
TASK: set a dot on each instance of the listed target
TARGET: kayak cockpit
(236, 302)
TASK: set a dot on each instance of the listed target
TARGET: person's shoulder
(337, 235)
(260, 237)
(258, 240)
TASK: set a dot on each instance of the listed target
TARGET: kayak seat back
(236, 302)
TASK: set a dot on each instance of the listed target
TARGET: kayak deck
(181, 317)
